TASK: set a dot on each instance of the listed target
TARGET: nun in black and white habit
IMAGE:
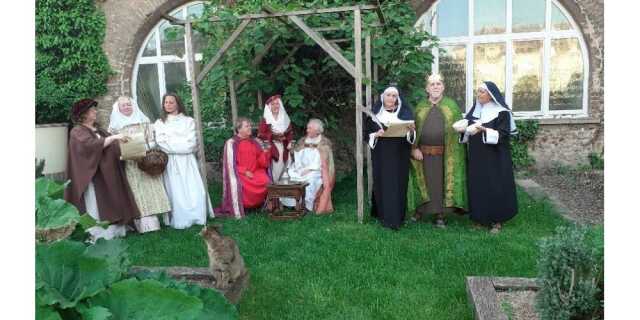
(390, 158)
(487, 129)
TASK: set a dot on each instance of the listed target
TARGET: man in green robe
(437, 183)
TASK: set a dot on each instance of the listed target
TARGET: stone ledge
(481, 292)
(569, 121)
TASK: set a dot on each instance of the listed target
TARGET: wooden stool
(277, 191)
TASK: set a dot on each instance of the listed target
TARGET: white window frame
(508, 38)
(160, 60)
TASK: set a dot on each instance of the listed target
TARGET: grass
(331, 267)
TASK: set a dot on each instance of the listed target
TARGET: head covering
(402, 113)
(281, 124)
(80, 107)
(490, 111)
(435, 77)
(118, 120)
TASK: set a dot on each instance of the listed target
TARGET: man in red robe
(244, 171)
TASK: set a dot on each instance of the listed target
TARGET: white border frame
(547, 35)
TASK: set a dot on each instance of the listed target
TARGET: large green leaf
(46, 187)
(47, 313)
(215, 305)
(66, 275)
(114, 252)
(93, 313)
(55, 213)
(132, 299)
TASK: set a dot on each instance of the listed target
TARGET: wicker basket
(51, 235)
(154, 163)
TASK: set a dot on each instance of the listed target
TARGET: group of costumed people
(250, 164)
(446, 163)
(118, 192)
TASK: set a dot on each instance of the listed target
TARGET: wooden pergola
(329, 46)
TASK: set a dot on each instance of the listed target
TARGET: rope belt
(432, 150)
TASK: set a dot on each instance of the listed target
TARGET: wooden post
(234, 101)
(357, 34)
(195, 100)
(259, 96)
(227, 44)
(367, 64)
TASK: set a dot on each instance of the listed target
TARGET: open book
(397, 129)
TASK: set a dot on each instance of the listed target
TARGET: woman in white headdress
(276, 129)
(487, 129)
(148, 191)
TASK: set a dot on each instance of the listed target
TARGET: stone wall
(564, 141)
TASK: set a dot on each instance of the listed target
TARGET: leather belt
(432, 150)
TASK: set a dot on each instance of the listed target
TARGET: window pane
(489, 64)
(527, 75)
(452, 66)
(175, 76)
(566, 75)
(490, 16)
(150, 49)
(528, 15)
(558, 20)
(148, 91)
(195, 11)
(453, 18)
(171, 40)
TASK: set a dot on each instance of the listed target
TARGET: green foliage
(596, 161)
(527, 130)
(312, 83)
(74, 281)
(70, 62)
(53, 212)
(571, 274)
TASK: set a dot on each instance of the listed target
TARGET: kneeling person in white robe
(307, 167)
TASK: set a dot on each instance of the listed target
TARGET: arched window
(161, 62)
(531, 49)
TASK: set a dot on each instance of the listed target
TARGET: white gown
(306, 159)
(177, 137)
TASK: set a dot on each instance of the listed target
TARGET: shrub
(70, 62)
(596, 161)
(570, 274)
(527, 130)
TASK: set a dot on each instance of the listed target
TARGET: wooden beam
(368, 97)
(195, 100)
(300, 12)
(227, 44)
(234, 101)
(357, 35)
(324, 44)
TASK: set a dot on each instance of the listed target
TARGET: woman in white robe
(149, 193)
(176, 135)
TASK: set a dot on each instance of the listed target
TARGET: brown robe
(433, 135)
(89, 161)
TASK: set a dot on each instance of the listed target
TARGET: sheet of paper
(397, 129)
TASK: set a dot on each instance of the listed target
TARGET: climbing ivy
(70, 62)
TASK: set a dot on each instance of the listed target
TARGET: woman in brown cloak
(98, 185)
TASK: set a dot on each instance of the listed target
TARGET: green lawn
(331, 267)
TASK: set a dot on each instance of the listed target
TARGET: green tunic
(455, 172)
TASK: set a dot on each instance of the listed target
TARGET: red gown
(251, 158)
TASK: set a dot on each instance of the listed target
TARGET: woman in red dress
(276, 129)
